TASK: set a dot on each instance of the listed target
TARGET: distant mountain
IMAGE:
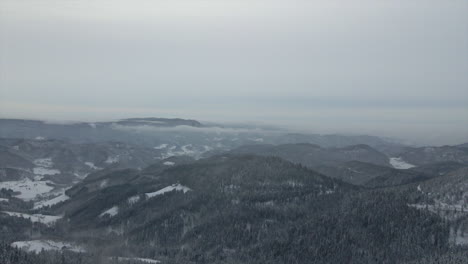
(429, 155)
(387, 146)
(439, 168)
(314, 156)
(178, 133)
(371, 175)
(86, 131)
(158, 122)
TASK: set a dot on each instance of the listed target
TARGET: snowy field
(133, 199)
(110, 212)
(399, 163)
(91, 165)
(38, 245)
(36, 218)
(29, 190)
(174, 187)
(143, 260)
(49, 202)
(169, 163)
(44, 167)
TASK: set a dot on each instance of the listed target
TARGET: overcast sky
(385, 67)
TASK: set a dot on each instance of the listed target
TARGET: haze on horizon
(390, 68)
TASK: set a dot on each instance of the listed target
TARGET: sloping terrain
(371, 175)
(238, 209)
(446, 196)
(430, 155)
(40, 170)
(314, 156)
(172, 135)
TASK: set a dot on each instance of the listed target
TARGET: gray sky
(385, 67)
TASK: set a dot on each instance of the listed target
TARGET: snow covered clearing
(110, 212)
(36, 218)
(144, 260)
(46, 162)
(186, 150)
(62, 197)
(162, 146)
(29, 190)
(104, 183)
(111, 160)
(44, 167)
(39, 245)
(91, 165)
(174, 187)
(45, 171)
(399, 163)
(133, 199)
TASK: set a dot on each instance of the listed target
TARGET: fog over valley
(392, 68)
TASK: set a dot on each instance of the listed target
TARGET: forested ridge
(242, 209)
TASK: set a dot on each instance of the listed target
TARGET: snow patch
(169, 163)
(162, 146)
(46, 163)
(91, 165)
(103, 183)
(39, 138)
(399, 163)
(144, 260)
(3, 200)
(44, 167)
(45, 171)
(133, 199)
(111, 160)
(294, 183)
(36, 218)
(186, 150)
(50, 202)
(207, 148)
(38, 245)
(111, 212)
(174, 187)
(81, 176)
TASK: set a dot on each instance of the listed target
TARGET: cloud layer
(364, 66)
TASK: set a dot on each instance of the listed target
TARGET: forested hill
(243, 209)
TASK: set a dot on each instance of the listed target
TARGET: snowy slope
(174, 187)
